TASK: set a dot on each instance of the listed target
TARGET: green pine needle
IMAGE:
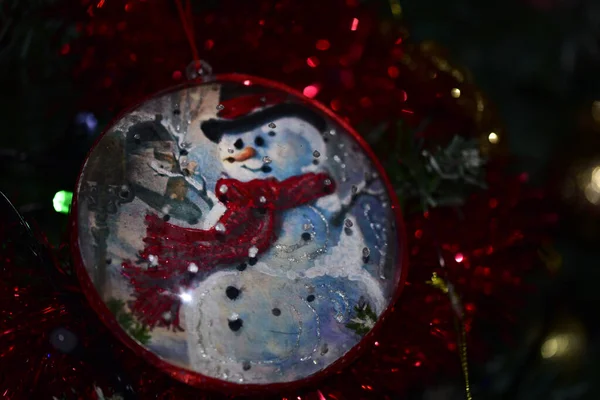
(139, 332)
(363, 321)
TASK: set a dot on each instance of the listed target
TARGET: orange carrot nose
(245, 154)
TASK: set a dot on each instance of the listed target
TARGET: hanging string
(448, 289)
(188, 26)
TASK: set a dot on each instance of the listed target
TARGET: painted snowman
(280, 315)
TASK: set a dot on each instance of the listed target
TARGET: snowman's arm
(361, 189)
(198, 186)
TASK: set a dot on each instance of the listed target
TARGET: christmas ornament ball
(235, 233)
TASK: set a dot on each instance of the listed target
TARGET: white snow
(346, 261)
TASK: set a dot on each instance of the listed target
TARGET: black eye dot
(232, 292)
(310, 298)
(183, 152)
(235, 325)
(166, 217)
(271, 133)
(259, 141)
(306, 236)
(252, 260)
(315, 162)
(241, 267)
(276, 312)
(238, 144)
(176, 111)
(266, 169)
(246, 365)
(108, 261)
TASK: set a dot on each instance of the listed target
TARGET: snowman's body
(283, 317)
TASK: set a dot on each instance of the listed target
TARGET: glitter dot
(322, 44)
(354, 189)
(223, 189)
(193, 268)
(252, 251)
(276, 312)
(230, 151)
(458, 257)
(220, 107)
(366, 252)
(311, 91)
(455, 92)
(220, 227)
(272, 125)
(327, 182)
(312, 62)
(348, 223)
(306, 227)
(267, 159)
(316, 154)
(262, 199)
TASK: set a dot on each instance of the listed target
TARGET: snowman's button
(236, 324)
(310, 298)
(306, 236)
(246, 366)
(232, 292)
(276, 312)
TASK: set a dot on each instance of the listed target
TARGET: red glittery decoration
(250, 220)
(367, 75)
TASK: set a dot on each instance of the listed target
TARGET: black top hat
(214, 129)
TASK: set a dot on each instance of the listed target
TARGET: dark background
(537, 60)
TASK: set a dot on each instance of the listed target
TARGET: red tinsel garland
(358, 65)
(417, 342)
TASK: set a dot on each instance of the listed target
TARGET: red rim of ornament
(196, 379)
